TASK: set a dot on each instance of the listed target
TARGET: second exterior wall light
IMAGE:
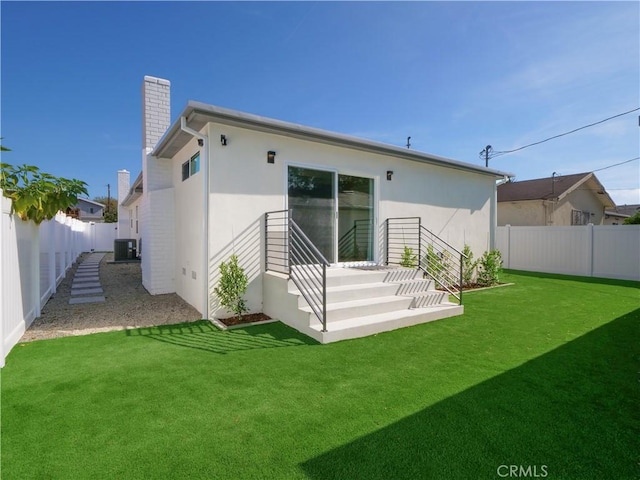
(271, 156)
(389, 174)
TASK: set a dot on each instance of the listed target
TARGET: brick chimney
(124, 184)
(156, 110)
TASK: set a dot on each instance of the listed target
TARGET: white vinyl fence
(34, 260)
(606, 251)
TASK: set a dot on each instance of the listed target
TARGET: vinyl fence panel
(608, 251)
(34, 260)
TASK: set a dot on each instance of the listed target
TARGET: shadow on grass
(202, 335)
(573, 410)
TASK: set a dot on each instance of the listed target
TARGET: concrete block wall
(158, 255)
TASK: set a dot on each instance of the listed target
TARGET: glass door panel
(355, 218)
(312, 202)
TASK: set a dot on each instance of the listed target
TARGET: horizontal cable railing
(288, 250)
(411, 244)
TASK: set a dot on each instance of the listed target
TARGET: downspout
(205, 208)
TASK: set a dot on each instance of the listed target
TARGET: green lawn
(541, 373)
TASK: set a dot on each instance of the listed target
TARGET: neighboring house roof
(610, 213)
(86, 200)
(198, 114)
(134, 192)
(553, 188)
(628, 210)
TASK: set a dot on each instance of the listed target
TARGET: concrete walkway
(86, 282)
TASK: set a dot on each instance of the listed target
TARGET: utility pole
(486, 152)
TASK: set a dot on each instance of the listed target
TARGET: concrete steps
(86, 286)
(360, 301)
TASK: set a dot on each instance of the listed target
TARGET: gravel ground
(127, 305)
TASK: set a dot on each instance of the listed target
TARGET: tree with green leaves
(36, 195)
(111, 208)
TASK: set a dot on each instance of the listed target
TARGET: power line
(504, 152)
(616, 164)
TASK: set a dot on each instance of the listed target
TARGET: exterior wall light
(223, 140)
(389, 174)
(271, 156)
(200, 142)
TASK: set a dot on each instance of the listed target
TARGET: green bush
(489, 267)
(634, 220)
(232, 286)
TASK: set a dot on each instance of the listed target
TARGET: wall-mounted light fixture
(271, 156)
(389, 174)
(223, 140)
(200, 142)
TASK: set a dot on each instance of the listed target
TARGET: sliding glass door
(335, 211)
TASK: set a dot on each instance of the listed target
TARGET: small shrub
(409, 259)
(468, 266)
(489, 267)
(232, 286)
(435, 263)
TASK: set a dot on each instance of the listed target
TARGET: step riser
(373, 309)
(429, 300)
(337, 279)
(352, 294)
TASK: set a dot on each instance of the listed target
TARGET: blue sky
(455, 76)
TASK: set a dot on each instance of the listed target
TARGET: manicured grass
(541, 373)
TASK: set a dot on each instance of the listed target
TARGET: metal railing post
(324, 297)
(266, 241)
(387, 243)
(460, 282)
(419, 240)
(289, 246)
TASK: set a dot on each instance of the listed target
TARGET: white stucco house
(313, 216)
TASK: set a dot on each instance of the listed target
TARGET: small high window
(191, 167)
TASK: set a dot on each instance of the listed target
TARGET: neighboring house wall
(582, 201)
(528, 212)
(90, 211)
(453, 204)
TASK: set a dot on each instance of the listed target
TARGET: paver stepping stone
(76, 285)
(76, 300)
(86, 279)
(86, 291)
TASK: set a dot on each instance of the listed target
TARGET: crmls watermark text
(522, 471)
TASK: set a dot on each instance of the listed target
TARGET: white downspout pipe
(205, 208)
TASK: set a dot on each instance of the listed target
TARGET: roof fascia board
(234, 118)
(608, 201)
(91, 201)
